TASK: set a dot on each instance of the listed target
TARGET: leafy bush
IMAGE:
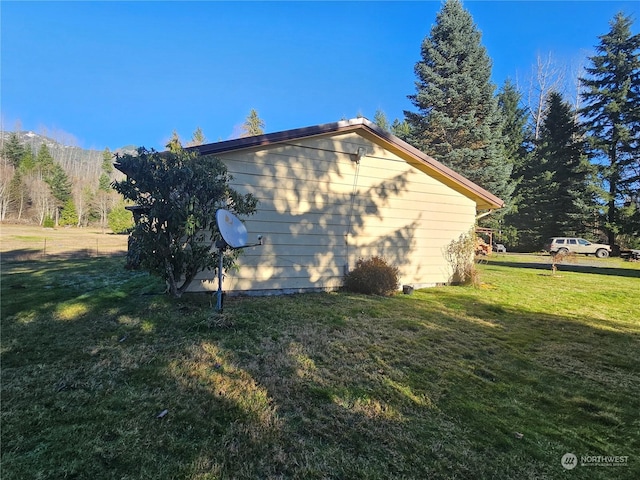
(373, 277)
(48, 222)
(120, 220)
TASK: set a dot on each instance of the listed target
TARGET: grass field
(105, 377)
(31, 242)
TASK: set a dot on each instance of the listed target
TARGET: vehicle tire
(562, 251)
(602, 253)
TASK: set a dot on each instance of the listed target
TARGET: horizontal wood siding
(319, 211)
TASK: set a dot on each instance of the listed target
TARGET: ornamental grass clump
(373, 276)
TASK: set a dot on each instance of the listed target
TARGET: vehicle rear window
(560, 240)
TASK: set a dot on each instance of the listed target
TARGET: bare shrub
(460, 256)
(373, 276)
(560, 257)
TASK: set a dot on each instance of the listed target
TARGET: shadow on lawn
(570, 267)
(309, 386)
(53, 254)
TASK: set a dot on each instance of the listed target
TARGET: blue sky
(109, 74)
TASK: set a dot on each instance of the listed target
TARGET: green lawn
(497, 381)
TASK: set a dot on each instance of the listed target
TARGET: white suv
(576, 245)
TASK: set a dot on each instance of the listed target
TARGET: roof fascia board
(483, 198)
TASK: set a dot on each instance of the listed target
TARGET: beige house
(331, 194)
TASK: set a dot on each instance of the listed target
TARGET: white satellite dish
(234, 235)
(233, 231)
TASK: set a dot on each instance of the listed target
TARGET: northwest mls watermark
(571, 461)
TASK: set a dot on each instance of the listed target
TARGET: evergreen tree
(253, 125)
(179, 192)
(514, 126)
(120, 219)
(60, 186)
(18, 188)
(197, 138)
(556, 191)
(516, 149)
(44, 161)
(612, 119)
(69, 215)
(458, 122)
(104, 182)
(380, 119)
(13, 150)
(175, 144)
(401, 130)
(563, 152)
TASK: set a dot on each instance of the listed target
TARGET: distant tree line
(564, 168)
(38, 188)
(40, 185)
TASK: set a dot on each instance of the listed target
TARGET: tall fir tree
(401, 129)
(197, 138)
(457, 120)
(517, 146)
(13, 150)
(556, 190)
(44, 161)
(515, 133)
(611, 115)
(562, 150)
(253, 125)
(380, 119)
(60, 186)
(104, 182)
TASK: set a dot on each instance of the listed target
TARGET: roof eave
(484, 199)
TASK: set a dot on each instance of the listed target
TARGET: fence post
(44, 249)
(97, 241)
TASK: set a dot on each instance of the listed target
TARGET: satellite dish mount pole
(222, 245)
(234, 236)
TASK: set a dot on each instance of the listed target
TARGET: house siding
(319, 211)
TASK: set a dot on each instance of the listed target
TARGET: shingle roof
(484, 199)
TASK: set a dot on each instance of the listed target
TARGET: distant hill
(35, 140)
(73, 158)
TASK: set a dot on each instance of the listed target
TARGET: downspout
(482, 215)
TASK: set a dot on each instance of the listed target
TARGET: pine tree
(104, 182)
(514, 126)
(44, 161)
(556, 191)
(612, 118)
(458, 122)
(401, 130)
(380, 119)
(517, 141)
(13, 150)
(197, 138)
(175, 144)
(253, 125)
(68, 214)
(60, 186)
(561, 149)
(19, 189)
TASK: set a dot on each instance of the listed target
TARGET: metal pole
(220, 266)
